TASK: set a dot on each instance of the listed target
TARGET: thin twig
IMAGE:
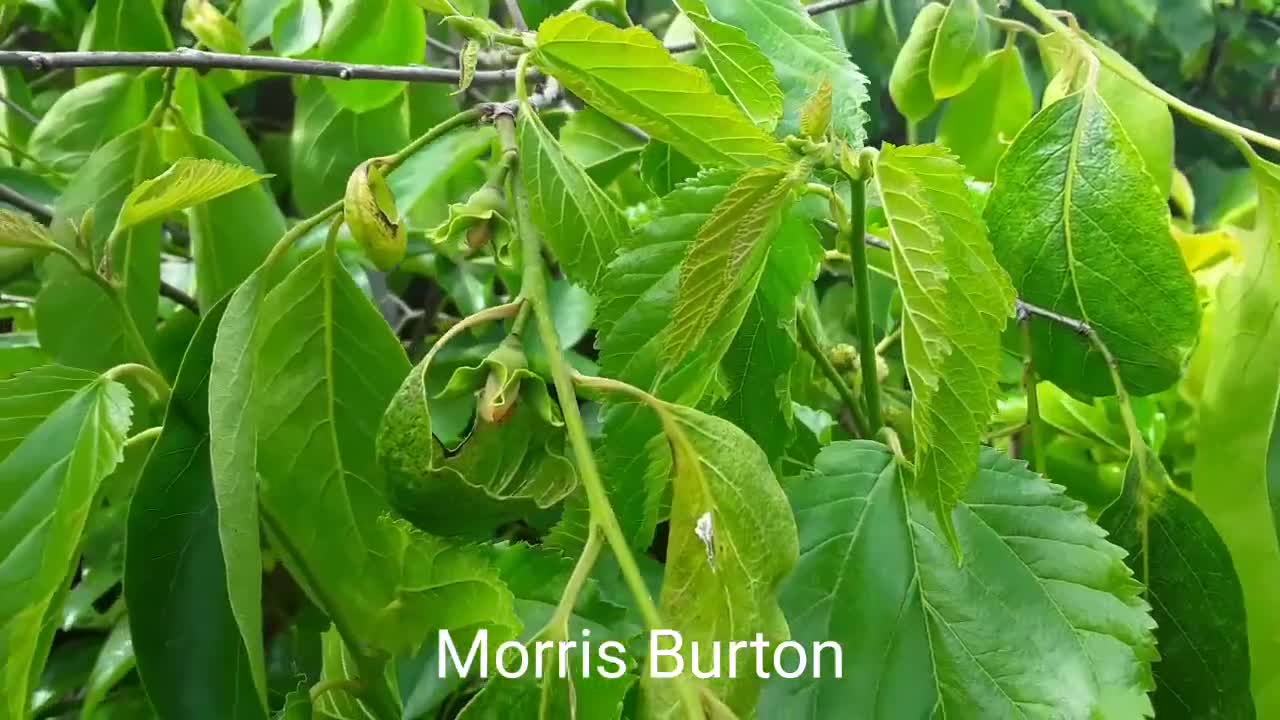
(180, 297)
(22, 112)
(201, 60)
(517, 17)
(814, 9)
(1021, 306)
(39, 211)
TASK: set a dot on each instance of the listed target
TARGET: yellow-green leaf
(733, 540)
(741, 66)
(20, 231)
(960, 44)
(728, 252)
(955, 300)
(909, 82)
(187, 184)
(1237, 417)
(630, 76)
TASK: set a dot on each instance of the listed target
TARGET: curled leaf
(476, 220)
(512, 463)
(371, 214)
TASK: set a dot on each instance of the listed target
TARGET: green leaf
(128, 25)
(636, 305)
(1042, 619)
(663, 168)
(1195, 596)
(327, 366)
(909, 82)
(1077, 222)
(207, 23)
(187, 183)
(18, 230)
(1146, 119)
(601, 146)
(329, 141)
(231, 234)
(392, 32)
(191, 659)
(742, 68)
(78, 323)
(296, 29)
(732, 541)
(980, 123)
(512, 463)
(115, 660)
(628, 75)
(15, 124)
(955, 301)
(85, 117)
(48, 481)
(804, 56)
(578, 220)
(959, 45)
(1237, 417)
(727, 254)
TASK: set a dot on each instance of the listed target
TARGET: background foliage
(947, 331)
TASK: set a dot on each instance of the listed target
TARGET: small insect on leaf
(371, 215)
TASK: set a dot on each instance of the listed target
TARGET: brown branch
(202, 60)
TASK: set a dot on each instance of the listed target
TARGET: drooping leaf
(955, 301)
(297, 28)
(804, 56)
(640, 294)
(980, 123)
(392, 32)
(909, 82)
(579, 221)
(78, 322)
(732, 541)
(1042, 619)
(727, 254)
(329, 141)
(1079, 225)
(1195, 598)
(85, 117)
(191, 658)
(129, 25)
(187, 183)
(628, 75)
(327, 366)
(1237, 420)
(513, 462)
(961, 42)
(48, 481)
(742, 68)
